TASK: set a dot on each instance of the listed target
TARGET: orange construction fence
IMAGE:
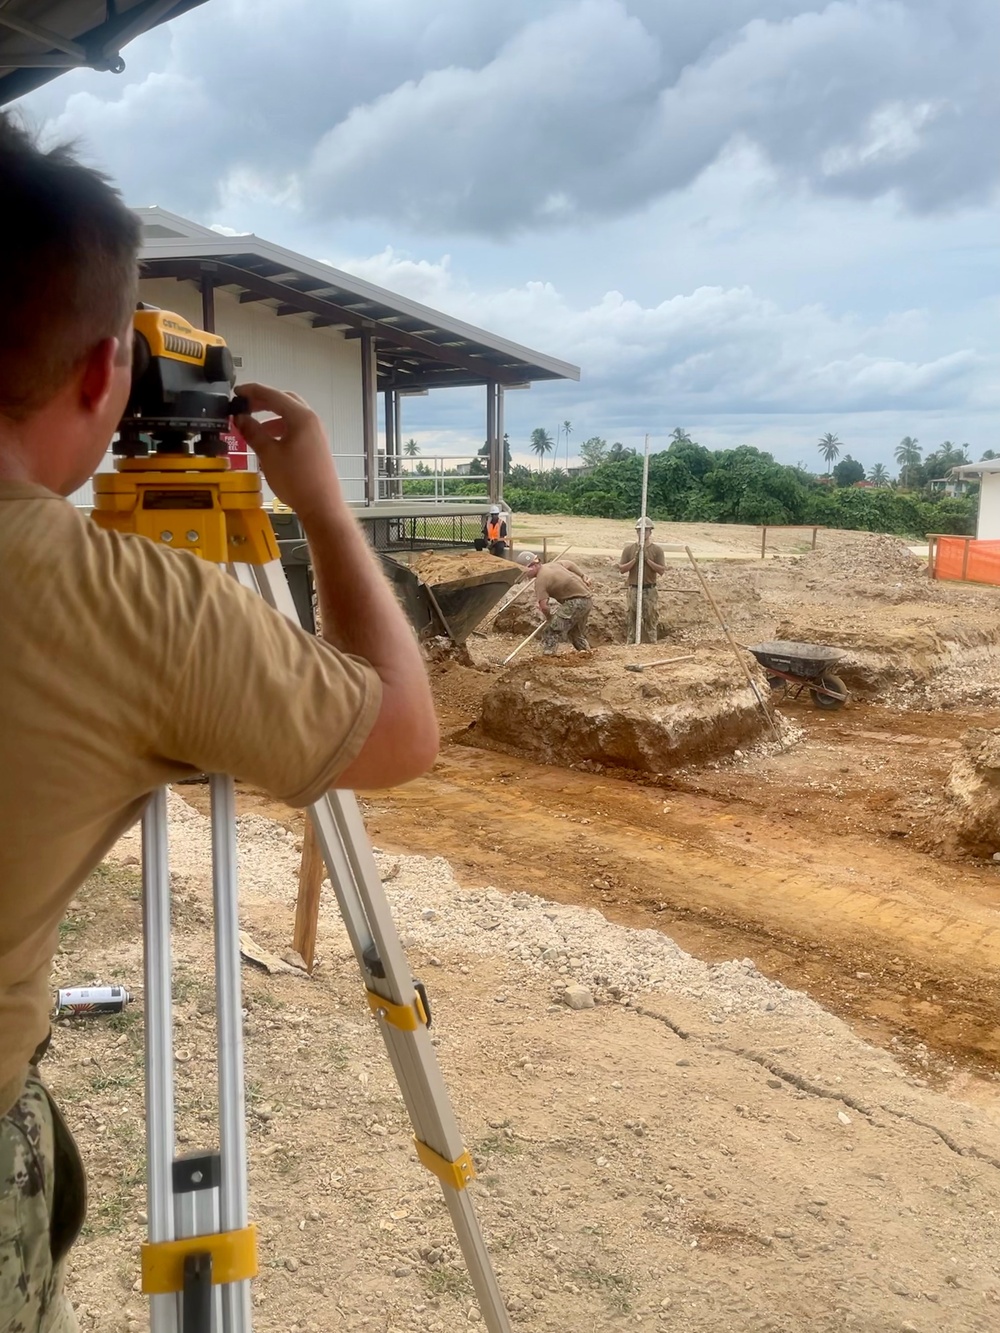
(963, 558)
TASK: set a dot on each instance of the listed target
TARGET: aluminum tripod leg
(365, 910)
(200, 1194)
(159, 1043)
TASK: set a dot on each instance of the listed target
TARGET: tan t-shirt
(124, 666)
(651, 552)
(556, 581)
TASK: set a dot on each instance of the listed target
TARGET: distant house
(864, 485)
(951, 486)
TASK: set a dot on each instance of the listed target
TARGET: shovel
(664, 661)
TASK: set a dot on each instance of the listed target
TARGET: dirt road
(802, 861)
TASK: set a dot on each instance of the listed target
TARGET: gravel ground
(434, 913)
(693, 1148)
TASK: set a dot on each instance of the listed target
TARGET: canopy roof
(40, 39)
(417, 348)
(977, 469)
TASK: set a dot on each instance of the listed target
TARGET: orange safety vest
(493, 529)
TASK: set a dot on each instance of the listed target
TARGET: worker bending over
(495, 532)
(564, 583)
(653, 566)
(127, 665)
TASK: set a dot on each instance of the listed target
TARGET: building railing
(400, 481)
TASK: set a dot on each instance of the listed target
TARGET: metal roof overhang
(417, 348)
(41, 39)
(988, 465)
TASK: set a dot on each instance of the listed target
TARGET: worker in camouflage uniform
(653, 566)
(42, 1206)
(568, 586)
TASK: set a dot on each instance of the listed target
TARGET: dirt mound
(973, 794)
(458, 690)
(443, 566)
(902, 660)
(872, 557)
(565, 710)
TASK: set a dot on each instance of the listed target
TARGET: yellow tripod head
(172, 482)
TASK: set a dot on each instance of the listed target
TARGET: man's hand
(293, 450)
(543, 606)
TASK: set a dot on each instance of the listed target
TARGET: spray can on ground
(88, 1001)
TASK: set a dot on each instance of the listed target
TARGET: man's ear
(97, 375)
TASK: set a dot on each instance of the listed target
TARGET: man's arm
(624, 564)
(656, 563)
(359, 611)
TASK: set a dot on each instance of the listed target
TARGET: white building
(340, 342)
(987, 474)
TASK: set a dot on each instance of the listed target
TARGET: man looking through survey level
(126, 665)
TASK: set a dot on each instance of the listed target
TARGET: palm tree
(411, 448)
(567, 431)
(829, 447)
(680, 436)
(879, 475)
(541, 444)
(908, 457)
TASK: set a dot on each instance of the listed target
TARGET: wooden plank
(312, 872)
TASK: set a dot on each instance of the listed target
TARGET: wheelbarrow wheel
(836, 686)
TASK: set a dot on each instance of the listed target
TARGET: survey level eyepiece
(182, 389)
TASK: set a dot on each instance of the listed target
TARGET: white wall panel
(988, 527)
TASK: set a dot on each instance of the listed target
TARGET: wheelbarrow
(794, 667)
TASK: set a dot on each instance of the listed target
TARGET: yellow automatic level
(188, 503)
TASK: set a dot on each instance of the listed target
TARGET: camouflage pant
(568, 621)
(650, 613)
(41, 1211)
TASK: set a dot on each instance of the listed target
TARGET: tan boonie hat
(644, 523)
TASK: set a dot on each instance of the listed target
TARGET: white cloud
(713, 349)
(756, 215)
(499, 119)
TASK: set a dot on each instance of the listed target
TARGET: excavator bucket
(461, 603)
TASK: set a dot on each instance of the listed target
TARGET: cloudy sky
(757, 219)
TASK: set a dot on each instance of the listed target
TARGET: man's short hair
(68, 271)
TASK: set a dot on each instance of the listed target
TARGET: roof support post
(207, 286)
(391, 443)
(491, 438)
(397, 430)
(501, 451)
(369, 415)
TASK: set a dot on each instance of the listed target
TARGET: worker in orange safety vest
(495, 532)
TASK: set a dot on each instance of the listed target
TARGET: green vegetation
(617, 1288)
(444, 1281)
(691, 484)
